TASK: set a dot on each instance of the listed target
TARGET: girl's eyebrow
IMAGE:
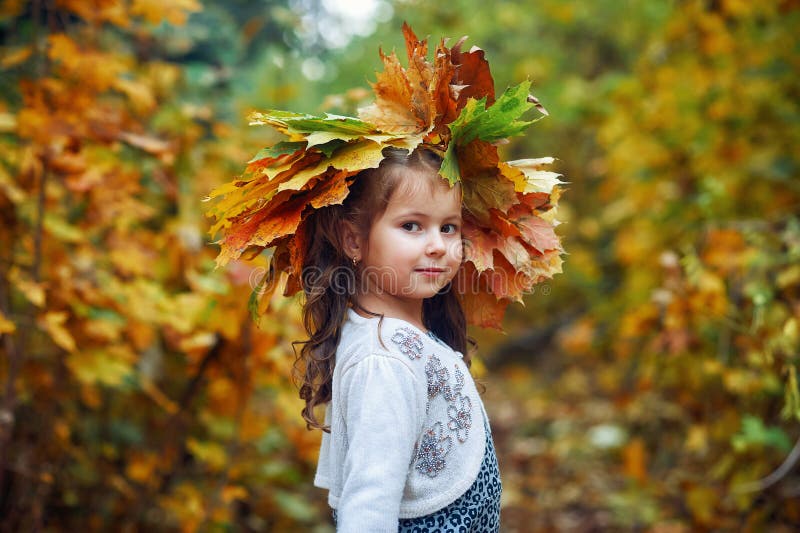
(420, 214)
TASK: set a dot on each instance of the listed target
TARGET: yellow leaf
(528, 176)
(62, 230)
(6, 326)
(53, 323)
(211, 453)
(355, 156)
(103, 330)
(132, 258)
(141, 467)
(198, 341)
(175, 12)
(8, 122)
(697, 439)
(233, 492)
(140, 95)
(34, 292)
(702, 503)
(107, 366)
(15, 55)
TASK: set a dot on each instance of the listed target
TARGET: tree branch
(777, 475)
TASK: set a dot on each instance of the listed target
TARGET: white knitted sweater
(407, 433)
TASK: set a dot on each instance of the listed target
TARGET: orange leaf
(406, 100)
(392, 111)
(442, 92)
(481, 308)
(68, 163)
(283, 216)
(479, 245)
(473, 73)
(539, 233)
(505, 281)
(635, 457)
(487, 193)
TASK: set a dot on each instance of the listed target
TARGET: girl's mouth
(430, 271)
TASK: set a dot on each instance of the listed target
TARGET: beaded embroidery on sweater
(403, 411)
(435, 444)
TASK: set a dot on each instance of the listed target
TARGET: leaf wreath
(449, 106)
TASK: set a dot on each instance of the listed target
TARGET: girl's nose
(436, 245)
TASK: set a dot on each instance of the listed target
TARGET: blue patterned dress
(476, 511)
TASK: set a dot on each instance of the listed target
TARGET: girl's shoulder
(386, 336)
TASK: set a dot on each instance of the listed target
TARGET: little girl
(409, 447)
(367, 218)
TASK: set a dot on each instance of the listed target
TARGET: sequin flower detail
(438, 376)
(460, 414)
(408, 342)
(433, 448)
(451, 393)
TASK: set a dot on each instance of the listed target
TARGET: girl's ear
(352, 241)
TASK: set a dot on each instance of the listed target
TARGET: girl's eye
(411, 226)
(449, 228)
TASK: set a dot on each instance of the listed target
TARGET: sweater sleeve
(381, 418)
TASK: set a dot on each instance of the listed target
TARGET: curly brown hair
(329, 278)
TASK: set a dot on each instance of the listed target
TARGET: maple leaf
(472, 75)
(528, 176)
(489, 124)
(271, 154)
(268, 186)
(405, 99)
(481, 307)
(450, 105)
(479, 244)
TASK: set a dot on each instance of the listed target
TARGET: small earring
(355, 262)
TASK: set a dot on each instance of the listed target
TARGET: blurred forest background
(651, 387)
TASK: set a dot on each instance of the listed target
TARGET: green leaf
(331, 146)
(476, 121)
(755, 433)
(449, 169)
(497, 122)
(294, 505)
(303, 123)
(334, 123)
(282, 148)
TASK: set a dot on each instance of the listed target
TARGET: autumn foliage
(447, 106)
(136, 389)
(654, 388)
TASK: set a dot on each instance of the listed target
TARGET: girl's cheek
(457, 249)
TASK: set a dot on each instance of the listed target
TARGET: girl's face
(413, 249)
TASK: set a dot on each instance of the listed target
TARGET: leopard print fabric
(476, 511)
